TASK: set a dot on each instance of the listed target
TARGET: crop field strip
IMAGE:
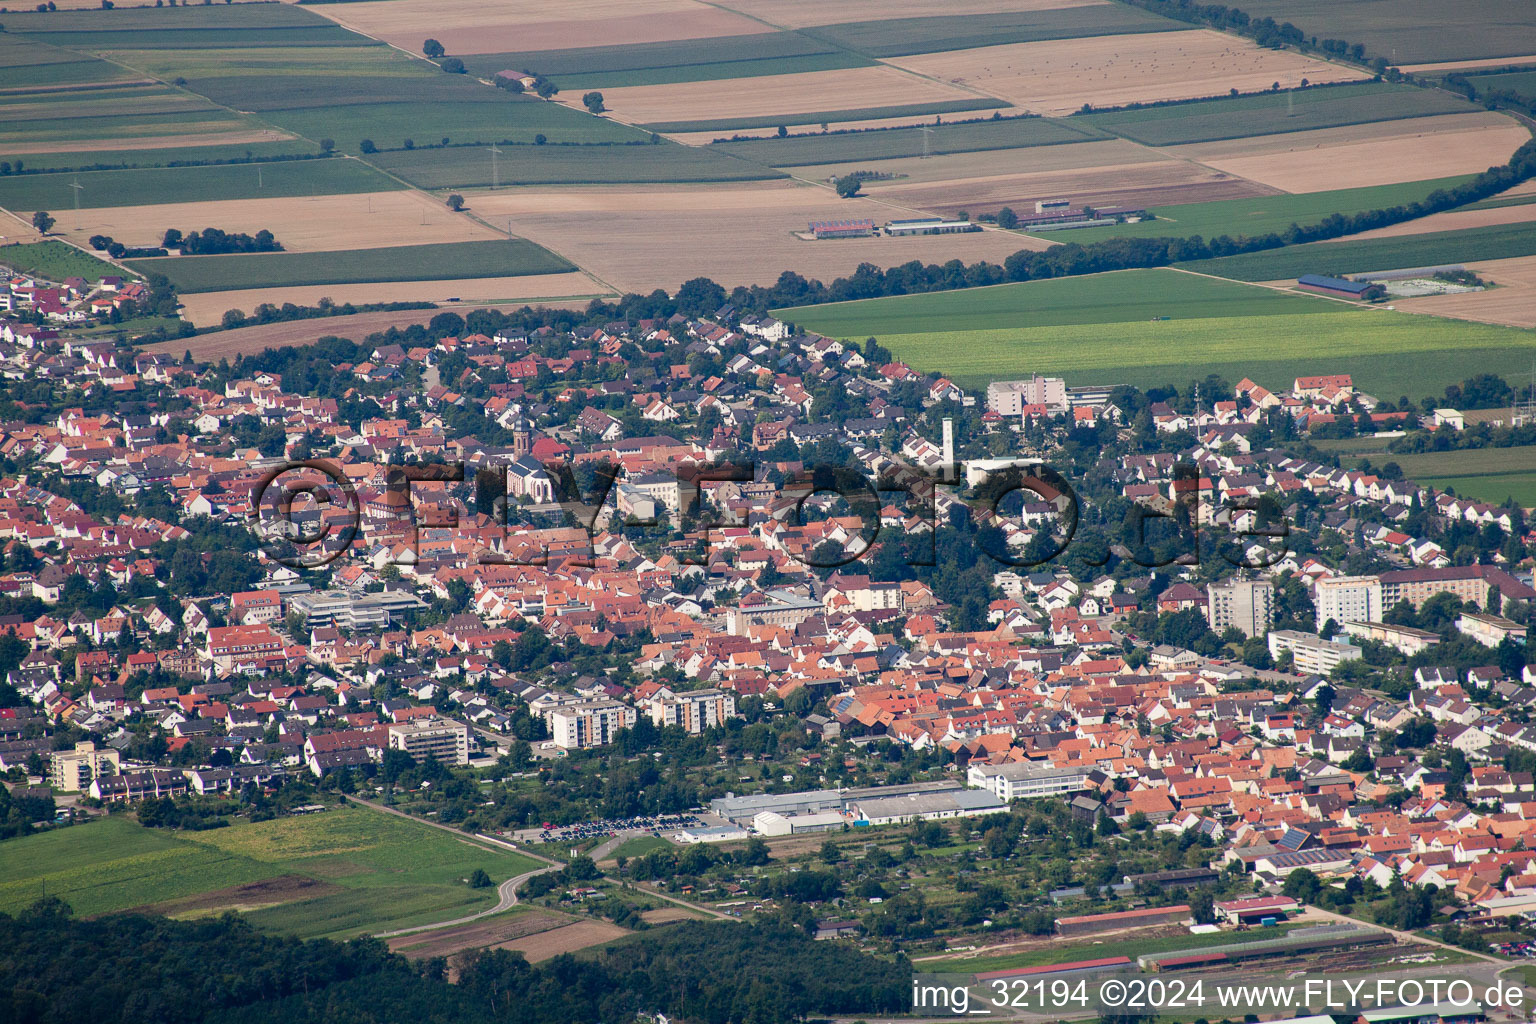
(146, 185)
(1254, 217)
(470, 167)
(1274, 113)
(829, 116)
(444, 261)
(1413, 31)
(892, 143)
(55, 260)
(129, 158)
(1486, 474)
(899, 37)
(1503, 241)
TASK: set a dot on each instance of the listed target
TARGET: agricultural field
(892, 143)
(150, 185)
(510, 257)
(1351, 257)
(55, 261)
(1061, 77)
(1511, 300)
(153, 28)
(1486, 474)
(1412, 31)
(1253, 217)
(896, 37)
(1118, 297)
(463, 166)
(904, 113)
(1388, 353)
(1375, 154)
(344, 872)
(1286, 110)
(629, 237)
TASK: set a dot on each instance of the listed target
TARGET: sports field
(346, 871)
(446, 261)
(1100, 330)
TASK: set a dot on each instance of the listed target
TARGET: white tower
(949, 442)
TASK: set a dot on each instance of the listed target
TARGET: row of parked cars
(655, 825)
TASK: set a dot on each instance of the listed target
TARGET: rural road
(506, 892)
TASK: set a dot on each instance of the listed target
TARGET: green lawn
(1502, 241)
(1116, 297)
(442, 261)
(54, 260)
(640, 846)
(151, 185)
(1253, 217)
(379, 871)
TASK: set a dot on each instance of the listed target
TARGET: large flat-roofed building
(744, 809)
(1348, 599)
(1405, 638)
(772, 823)
(888, 810)
(1245, 605)
(353, 610)
(1310, 653)
(437, 738)
(589, 723)
(1023, 781)
(1009, 397)
(856, 228)
(1490, 630)
(930, 226)
(773, 608)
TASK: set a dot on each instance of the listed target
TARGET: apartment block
(694, 711)
(1348, 599)
(1310, 654)
(1244, 605)
(73, 770)
(589, 723)
(438, 738)
(1009, 397)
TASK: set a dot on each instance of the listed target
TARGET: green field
(1486, 474)
(1290, 111)
(639, 847)
(1097, 330)
(1254, 217)
(1056, 953)
(1520, 82)
(1502, 241)
(376, 871)
(1412, 31)
(144, 186)
(897, 37)
(445, 261)
(185, 27)
(1122, 296)
(468, 166)
(834, 61)
(55, 261)
(892, 143)
(147, 158)
(390, 124)
(828, 116)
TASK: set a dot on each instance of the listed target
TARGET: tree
(848, 186)
(455, 202)
(452, 65)
(593, 101)
(367, 146)
(43, 221)
(478, 879)
(433, 49)
(1007, 219)
(327, 145)
(830, 854)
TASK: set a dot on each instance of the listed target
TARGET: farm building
(930, 226)
(1254, 909)
(1342, 287)
(1434, 1013)
(1302, 940)
(1088, 924)
(1174, 876)
(1108, 963)
(842, 228)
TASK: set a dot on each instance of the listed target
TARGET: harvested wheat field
(245, 341)
(300, 223)
(1467, 65)
(207, 308)
(803, 13)
(1451, 220)
(496, 26)
(1161, 183)
(1513, 302)
(493, 930)
(642, 240)
(569, 939)
(1396, 151)
(1059, 76)
(775, 95)
(989, 163)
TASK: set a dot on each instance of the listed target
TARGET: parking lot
(585, 831)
